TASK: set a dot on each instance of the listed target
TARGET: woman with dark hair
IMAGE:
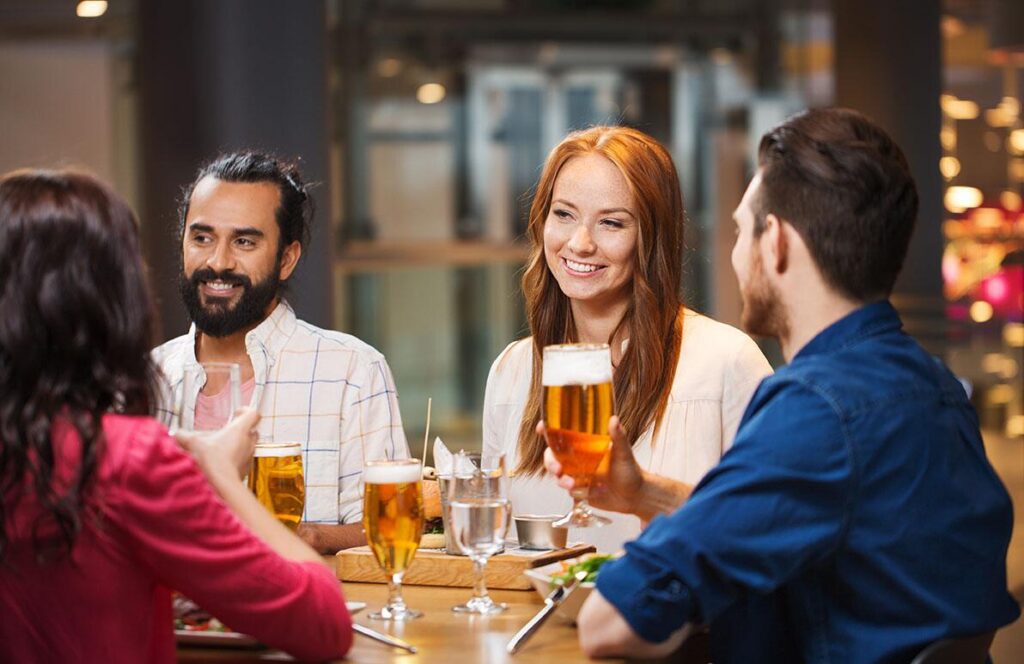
(606, 236)
(102, 513)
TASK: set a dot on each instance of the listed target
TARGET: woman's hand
(618, 483)
(229, 450)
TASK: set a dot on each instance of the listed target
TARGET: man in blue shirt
(856, 517)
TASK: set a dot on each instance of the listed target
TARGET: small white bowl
(540, 577)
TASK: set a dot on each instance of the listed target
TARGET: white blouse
(719, 368)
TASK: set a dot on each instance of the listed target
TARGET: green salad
(590, 565)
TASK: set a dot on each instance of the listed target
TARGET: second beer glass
(393, 520)
(276, 479)
(577, 381)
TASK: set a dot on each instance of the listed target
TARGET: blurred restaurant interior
(426, 122)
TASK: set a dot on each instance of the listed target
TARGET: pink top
(153, 524)
(211, 411)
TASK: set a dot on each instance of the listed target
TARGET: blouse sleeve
(192, 542)
(497, 398)
(746, 371)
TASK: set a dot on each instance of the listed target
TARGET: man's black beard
(220, 319)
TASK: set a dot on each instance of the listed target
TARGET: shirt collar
(273, 333)
(869, 320)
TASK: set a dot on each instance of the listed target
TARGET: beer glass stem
(395, 601)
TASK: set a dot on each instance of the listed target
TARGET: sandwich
(433, 525)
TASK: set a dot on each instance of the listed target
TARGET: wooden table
(440, 635)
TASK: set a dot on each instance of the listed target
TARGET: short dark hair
(294, 212)
(846, 188)
(76, 329)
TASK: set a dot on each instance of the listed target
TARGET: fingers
(621, 449)
(246, 418)
(185, 440)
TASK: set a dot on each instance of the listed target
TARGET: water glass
(479, 518)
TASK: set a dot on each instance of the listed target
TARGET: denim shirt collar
(869, 320)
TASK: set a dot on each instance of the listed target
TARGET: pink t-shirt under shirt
(210, 409)
(152, 523)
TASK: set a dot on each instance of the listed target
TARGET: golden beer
(276, 479)
(577, 380)
(393, 513)
(577, 421)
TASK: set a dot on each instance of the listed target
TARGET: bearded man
(856, 517)
(243, 224)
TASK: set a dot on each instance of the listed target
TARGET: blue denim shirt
(855, 519)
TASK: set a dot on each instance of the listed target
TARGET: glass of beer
(480, 511)
(393, 520)
(577, 380)
(276, 479)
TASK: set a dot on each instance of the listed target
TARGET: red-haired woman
(606, 231)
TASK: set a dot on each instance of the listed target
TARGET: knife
(551, 602)
(383, 638)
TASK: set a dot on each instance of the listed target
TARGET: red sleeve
(195, 544)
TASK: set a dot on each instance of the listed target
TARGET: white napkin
(444, 460)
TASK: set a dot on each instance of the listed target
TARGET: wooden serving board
(434, 567)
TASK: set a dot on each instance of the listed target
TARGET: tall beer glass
(577, 381)
(276, 479)
(393, 520)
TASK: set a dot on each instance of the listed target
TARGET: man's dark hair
(846, 188)
(295, 210)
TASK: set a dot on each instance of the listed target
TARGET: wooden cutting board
(434, 567)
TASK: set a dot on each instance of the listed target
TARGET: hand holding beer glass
(577, 380)
(393, 520)
(277, 480)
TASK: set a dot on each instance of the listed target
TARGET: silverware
(551, 602)
(383, 638)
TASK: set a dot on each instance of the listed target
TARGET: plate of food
(194, 626)
(547, 578)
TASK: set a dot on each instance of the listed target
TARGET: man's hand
(229, 450)
(619, 480)
(620, 484)
(329, 538)
(603, 632)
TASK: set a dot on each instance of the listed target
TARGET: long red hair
(653, 320)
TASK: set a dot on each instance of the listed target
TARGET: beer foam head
(390, 472)
(577, 364)
(277, 449)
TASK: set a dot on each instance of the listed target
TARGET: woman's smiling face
(590, 234)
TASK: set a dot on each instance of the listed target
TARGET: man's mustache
(227, 277)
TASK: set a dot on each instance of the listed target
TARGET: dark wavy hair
(76, 328)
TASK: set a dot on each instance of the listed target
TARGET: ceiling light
(430, 93)
(91, 8)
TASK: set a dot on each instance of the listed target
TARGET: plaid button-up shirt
(327, 390)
